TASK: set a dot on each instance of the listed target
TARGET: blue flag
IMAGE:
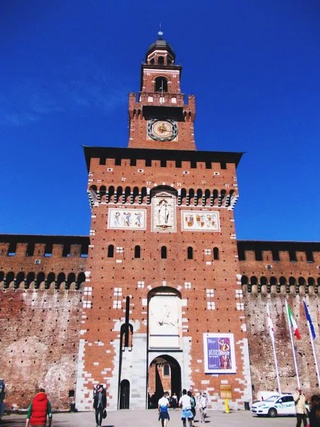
(313, 334)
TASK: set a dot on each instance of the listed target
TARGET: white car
(274, 406)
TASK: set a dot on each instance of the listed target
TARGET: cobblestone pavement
(149, 418)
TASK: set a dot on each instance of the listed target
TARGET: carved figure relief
(133, 219)
(163, 212)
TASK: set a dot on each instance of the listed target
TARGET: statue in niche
(163, 213)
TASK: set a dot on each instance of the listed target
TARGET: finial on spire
(160, 33)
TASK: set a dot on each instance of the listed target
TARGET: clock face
(162, 130)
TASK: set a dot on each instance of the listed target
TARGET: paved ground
(148, 418)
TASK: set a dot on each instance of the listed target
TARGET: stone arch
(158, 379)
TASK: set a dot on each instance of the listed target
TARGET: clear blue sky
(66, 70)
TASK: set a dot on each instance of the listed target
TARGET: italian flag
(293, 322)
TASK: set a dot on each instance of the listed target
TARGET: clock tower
(162, 306)
(159, 116)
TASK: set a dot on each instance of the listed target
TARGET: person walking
(39, 411)
(185, 404)
(300, 405)
(163, 408)
(203, 406)
(99, 403)
(314, 413)
(193, 406)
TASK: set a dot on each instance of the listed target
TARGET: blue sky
(66, 70)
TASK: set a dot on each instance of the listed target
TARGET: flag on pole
(270, 324)
(313, 333)
(293, 323)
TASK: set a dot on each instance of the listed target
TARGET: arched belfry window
(161, 84)
(161, 60)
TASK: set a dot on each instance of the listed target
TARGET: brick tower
(163, 306)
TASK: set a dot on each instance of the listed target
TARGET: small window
(163, 252)
(215, 253)
(110, 251)
(190, 252)
(166, 370)
(137, 251)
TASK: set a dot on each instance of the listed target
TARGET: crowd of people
(189, 405)
(39, 411)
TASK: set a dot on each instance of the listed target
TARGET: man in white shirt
(163, 406)
(185, 404)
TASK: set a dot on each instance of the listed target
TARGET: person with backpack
(39, 411)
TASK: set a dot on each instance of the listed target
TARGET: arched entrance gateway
(164, 374)
(164, 343)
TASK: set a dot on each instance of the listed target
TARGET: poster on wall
(219, 354)
(124, 219)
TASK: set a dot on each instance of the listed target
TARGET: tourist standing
(39, 411)
(300, 404)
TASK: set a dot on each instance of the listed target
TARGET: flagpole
(314, 353)
(292, 345)
(313, 349)
(271, 333)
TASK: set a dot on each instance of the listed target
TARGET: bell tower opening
(161, 84)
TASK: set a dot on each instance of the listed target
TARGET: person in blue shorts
(163, 408)
(185, 405)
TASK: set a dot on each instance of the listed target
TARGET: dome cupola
(160, 52)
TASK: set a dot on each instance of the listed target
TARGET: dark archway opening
(124, 394)
(164, 375)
